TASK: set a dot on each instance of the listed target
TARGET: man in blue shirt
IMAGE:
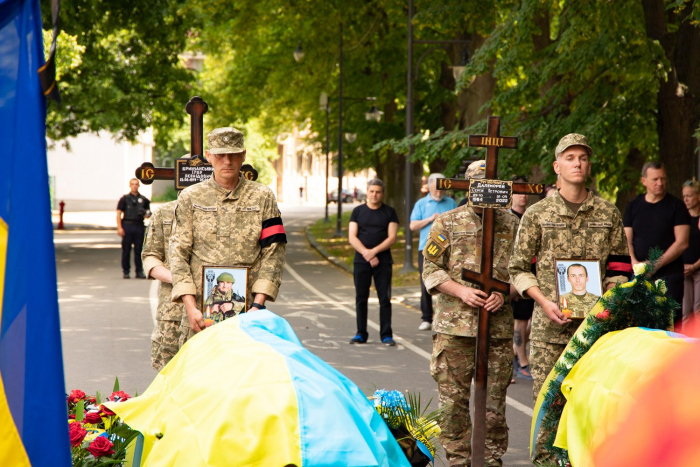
(424, 213)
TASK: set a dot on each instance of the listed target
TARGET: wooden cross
(196, 169)
(487, 194)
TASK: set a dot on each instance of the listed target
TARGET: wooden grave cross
(196, 169)
(487, 194)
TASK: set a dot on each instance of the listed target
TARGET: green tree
(623, 73)
(129, 77)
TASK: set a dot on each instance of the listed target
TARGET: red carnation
(76, 433)
(101, 446)
(106, 411)
(605, 314)
(119, 396)
(76, 395)
(93, 418)
(92, 399)
(71, 416)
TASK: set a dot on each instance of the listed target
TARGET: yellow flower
(661, 286)
(639, 268)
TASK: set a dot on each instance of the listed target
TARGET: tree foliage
(128, 76)
(593, 67)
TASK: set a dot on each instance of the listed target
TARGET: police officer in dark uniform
(131, 210)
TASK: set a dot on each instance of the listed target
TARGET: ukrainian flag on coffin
(33, 413)
(245, 392)
(603, 388)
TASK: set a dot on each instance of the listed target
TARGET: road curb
(323, 252)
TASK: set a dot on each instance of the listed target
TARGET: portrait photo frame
(579, 285)
(222, 298)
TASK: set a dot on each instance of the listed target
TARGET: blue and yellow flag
(246, 392)
(33, 413)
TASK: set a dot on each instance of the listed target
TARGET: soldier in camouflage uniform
(166, 334)
(226, 221)
(454, 243)
(579, 300)
(222, 300)
(572, 224)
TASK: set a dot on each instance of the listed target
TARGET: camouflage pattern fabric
(580, 304)
(165, 336)
(218, 227)
(452, 366)
(549, 231)
(164, 342)
(225, 140)
(454, 243)
(218, 297)
(543, 357)
(572, 139)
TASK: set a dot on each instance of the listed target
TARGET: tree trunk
(634, 162)
(679, 91)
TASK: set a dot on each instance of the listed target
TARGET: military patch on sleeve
(437, 243)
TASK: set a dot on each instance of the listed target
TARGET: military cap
(225, 140)
(572, 139)
(225, 277)
(476, 169)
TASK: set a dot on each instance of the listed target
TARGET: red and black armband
(619, 265)
(272, 232)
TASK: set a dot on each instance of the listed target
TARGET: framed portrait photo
(223, 292)
(579, 286)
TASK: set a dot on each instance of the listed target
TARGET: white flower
(661, 286)
(639, 269)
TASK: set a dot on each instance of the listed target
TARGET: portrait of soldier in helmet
(227, 297)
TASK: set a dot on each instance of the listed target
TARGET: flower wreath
(638, 303)
(414, 430)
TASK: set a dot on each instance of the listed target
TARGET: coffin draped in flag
(245, 392)
(33, 429)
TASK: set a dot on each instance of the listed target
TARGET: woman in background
(691, 256)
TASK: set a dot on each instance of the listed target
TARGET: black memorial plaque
(490, 193)
(191, 171)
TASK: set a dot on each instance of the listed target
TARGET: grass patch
(340, 248)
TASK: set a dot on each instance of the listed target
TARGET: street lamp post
(339, 200)
(408, 250)
(374, 114)
(325, 106)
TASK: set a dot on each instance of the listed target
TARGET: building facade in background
(302, 164)
(95, 172)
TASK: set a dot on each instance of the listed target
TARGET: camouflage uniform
(218, 227)
(217, 296)
(166, 334)
(549, 231)
(580, 304)
(454, 243)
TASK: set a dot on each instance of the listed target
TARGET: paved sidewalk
(409, 296)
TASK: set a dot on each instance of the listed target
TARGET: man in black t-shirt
(659, 219)
(131, 210)
(372, 231)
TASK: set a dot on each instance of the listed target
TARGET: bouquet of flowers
(97, 436)
(414, 430)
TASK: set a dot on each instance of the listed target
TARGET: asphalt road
(106, 323)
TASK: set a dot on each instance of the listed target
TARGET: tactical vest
(135, 209)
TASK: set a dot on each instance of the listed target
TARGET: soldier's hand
(194, 316)
(474, 297)
(120, 231)
(374, 262)
(554, 313)
(495, 302)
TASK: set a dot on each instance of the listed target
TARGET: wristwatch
(258, 306)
